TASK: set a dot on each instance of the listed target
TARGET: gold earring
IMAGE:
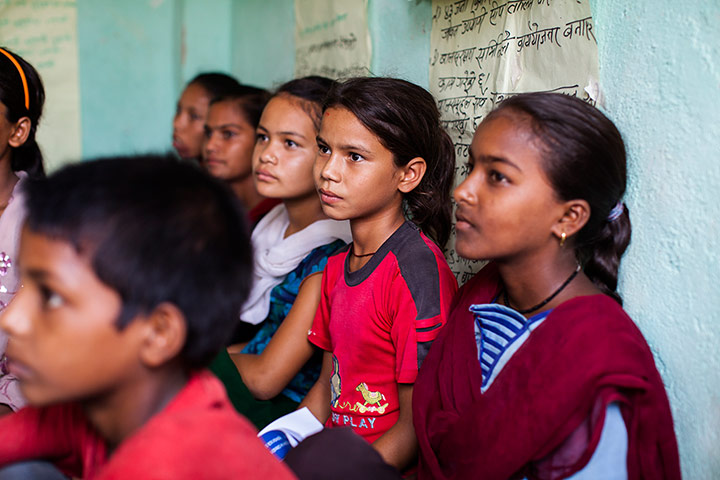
(562, 238)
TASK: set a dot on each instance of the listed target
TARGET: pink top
(11, 222)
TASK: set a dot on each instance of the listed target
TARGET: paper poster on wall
(331, 38)
(44, 32)
(483, 51)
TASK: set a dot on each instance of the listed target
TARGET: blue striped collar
(499, 332)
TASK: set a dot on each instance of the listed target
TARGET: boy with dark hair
(133, 273)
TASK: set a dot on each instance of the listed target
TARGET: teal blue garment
(282, 298)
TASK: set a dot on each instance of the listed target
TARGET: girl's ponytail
(603, 255)
(428, 205)
(584, 158)
(406, 120)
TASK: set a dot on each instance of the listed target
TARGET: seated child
(386, 165)
(133, 271)
(229, 142)
(191, 111)
(540, 373)
(21, 103)
(274, 371)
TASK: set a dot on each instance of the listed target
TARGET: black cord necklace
(506, 299)
(352, 252)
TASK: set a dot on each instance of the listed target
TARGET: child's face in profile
(189, 121)
(64, 344)
(229, 142)
(506, 205)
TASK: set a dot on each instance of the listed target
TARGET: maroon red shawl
(586, 354)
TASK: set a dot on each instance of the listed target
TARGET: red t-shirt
(197, 435)
(379, 322)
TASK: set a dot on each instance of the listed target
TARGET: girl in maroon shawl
(539, 372)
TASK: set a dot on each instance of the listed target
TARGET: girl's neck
(245, 191)
(8, 180)
(529, 281)
(119, 415)
(369, 234)
(303, 212)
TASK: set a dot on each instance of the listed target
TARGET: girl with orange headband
(21, 102)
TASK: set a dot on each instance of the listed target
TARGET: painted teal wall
(660, 72)
(263, 41)
(134, 58)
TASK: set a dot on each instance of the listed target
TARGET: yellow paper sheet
(331, 38)
(44, 32)
(485, 50)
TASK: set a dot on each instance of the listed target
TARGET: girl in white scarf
(274, 365)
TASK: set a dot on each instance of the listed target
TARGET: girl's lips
(180, 148)
(264, 176)
(461, 223)
(328, 197)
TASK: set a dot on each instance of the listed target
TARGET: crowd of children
(292, 258)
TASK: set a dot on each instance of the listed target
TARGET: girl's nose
(466, 192)
(210, 143)
(329, 168)
(267, 154)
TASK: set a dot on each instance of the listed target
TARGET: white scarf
(275, 256)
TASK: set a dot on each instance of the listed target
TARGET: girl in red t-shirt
(386, 164)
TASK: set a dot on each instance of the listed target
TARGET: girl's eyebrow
(344, 147)
(225, 125)
(294, 134)
(492, 159)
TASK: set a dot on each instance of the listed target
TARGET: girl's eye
(469, 167)
(324, 150)
(195, 117)
(227, 134)
(291, 144)
(207, 132)
(497, 177)
(356, 157)
(261, 137)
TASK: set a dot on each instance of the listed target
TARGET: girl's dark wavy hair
(312, 90)
(405, 119)
(584, 158)
(28, 156)
(216, 84)
(249, 100)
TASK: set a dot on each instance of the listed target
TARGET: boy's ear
(575, 216)
(166, 332)
(20, 132)
(413, 174)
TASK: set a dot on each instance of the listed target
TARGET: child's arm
(318, 398)
(268, 373)
(398, 446)
(57, 434)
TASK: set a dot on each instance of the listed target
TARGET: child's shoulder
(198, 435)
(416, 254)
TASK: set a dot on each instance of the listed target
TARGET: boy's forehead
(41, 252)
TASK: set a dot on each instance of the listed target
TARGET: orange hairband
(22, 76)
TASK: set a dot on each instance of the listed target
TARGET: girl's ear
(165, 335)
(413, 173)
(576, 215)
(20, 132)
